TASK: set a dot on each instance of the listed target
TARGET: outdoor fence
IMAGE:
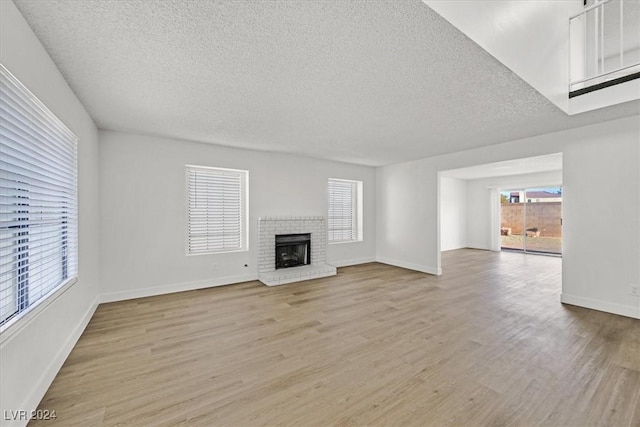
(543, 216)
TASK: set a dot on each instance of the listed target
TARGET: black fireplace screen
(293, 250)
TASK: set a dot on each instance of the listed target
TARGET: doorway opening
(531, 220)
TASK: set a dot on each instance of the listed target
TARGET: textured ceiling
(368, 82)
(528, 165)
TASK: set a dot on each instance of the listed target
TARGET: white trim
(612, 95)
(342, 242)
(21, 320)
(39, 104)
(357, 211)
(439, 221)
(479, 246)
(409, 265)
(457, 248)
(42, 385)
(290, 218)
(244, 197)
(496, 219)
(589, 8)
(176, 287)
(33, 117)
(607, 73)
(215, 168)
(217, 252)
(354, 261)
(594, 304)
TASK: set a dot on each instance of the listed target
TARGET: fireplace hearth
(292, 250)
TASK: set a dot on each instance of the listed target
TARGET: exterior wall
(544, 216)
(512, 217)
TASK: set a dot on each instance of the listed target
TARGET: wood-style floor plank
(487, 343)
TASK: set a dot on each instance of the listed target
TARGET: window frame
(244, 209)
(38, 123)
(357, 212)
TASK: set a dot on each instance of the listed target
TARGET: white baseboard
(37, 393)
(411, 266)
(453, 248)
(481, 247)
(354, 261)
(177, 287)
(608, 307)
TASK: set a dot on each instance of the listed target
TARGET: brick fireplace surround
(268, 227)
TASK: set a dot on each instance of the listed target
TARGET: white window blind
(38, 200)
(343, 222)
(217, 209)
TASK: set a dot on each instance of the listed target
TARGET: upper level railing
(604, 44)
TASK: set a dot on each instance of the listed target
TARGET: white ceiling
(368, 82)
(529, 165)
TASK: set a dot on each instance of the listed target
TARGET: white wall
(453, 213)
(141, 234)
(613, 95)
(601, 159)
(32, 351)
(504, 28)
(479, 199)
(601, 250)
(406, 216)
(143, 200)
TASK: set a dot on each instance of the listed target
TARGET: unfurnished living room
(319, 213)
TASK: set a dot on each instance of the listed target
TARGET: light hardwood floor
(486, 343)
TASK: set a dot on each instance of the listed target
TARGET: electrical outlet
(214, 267)
(634, 290)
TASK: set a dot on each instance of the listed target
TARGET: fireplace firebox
(293, 250)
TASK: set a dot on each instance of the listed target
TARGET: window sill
(345, 241)
(20, 321)
(219, 252)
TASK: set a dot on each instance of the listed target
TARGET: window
(345, 211)
(38, 200)
(217, 210)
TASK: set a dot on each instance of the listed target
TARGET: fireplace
(308, 255)
(293, 250)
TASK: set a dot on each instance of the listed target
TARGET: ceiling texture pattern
(366, 82)
(527, 165)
